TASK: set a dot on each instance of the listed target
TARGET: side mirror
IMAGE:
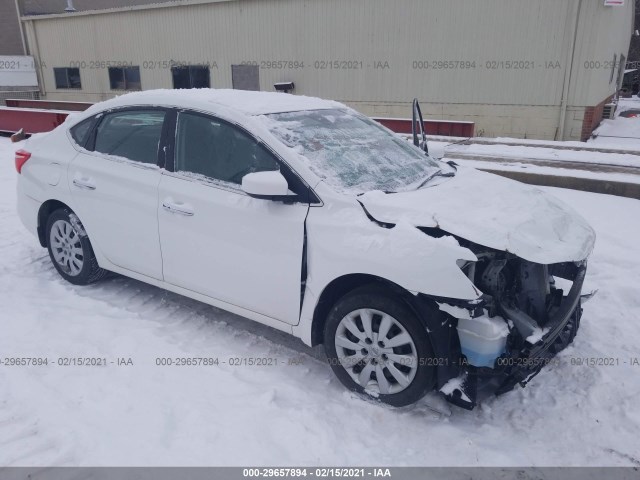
(266, 185)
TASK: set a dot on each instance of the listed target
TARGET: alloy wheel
(66, 247)
(376, 351)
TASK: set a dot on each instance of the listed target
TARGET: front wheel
(70, 249)
(376, 345)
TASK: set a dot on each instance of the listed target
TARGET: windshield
(352, 153)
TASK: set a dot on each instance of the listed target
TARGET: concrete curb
(620, 189)
(565, 164)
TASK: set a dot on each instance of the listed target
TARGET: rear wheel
(376, 345)
(70, 249)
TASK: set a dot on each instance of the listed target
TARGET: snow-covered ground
(620, 132)
(290, 414)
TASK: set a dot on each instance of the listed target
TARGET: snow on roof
(247, 102)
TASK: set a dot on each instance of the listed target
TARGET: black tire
(90, 271)
(382, 300)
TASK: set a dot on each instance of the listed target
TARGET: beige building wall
(10, 35)
(503, 64)
(602, 43)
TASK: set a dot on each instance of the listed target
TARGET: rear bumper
(28, 209)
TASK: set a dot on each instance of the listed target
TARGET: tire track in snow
(23, 442)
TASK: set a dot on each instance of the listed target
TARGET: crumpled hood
(492, 211)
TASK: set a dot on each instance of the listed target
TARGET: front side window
(67, 77)
(218, 150)
(125, 78)
(350, 152)
(190, 76)
(132, 134)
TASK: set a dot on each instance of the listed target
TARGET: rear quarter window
(80, 132)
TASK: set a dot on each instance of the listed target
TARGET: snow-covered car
(304, 215)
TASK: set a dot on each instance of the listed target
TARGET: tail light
(21, 158)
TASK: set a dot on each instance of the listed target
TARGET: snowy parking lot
(581, 410)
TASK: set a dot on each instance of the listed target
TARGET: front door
(218, 241)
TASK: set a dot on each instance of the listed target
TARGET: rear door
(115, 188)
(218, 241)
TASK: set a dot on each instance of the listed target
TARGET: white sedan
(302, 214)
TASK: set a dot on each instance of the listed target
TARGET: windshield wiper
(439, 173)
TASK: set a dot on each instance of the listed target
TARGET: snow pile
(456, 384)
(621, 132)
(248, 102)
(537, 335)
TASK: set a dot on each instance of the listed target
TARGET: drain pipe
(22, 38)
(70, 7)
(569, 69)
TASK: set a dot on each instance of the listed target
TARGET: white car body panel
(492, 211)
(44, 175)
(119, 212)
(237, 249)
(271, 322)
(343, 241)
(28, 209)
(52, 151)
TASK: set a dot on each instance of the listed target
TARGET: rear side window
(134, 134)
(80, 132)
(218, 150)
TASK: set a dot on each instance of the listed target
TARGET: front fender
(344, 241)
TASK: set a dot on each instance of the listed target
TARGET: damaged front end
(527, 314)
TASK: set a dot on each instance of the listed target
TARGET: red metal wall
(431, 127)
(48, 104)
(33, 121)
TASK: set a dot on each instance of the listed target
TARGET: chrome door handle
(85, 185)
(171, 207)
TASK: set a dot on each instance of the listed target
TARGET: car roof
(209, 99)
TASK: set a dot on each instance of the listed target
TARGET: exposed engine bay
(527, 313)
(526, 292)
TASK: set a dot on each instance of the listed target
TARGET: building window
(190, 76)
(67, 77)
(245, 77)
(125, 78)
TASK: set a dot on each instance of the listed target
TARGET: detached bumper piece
(519, 366)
